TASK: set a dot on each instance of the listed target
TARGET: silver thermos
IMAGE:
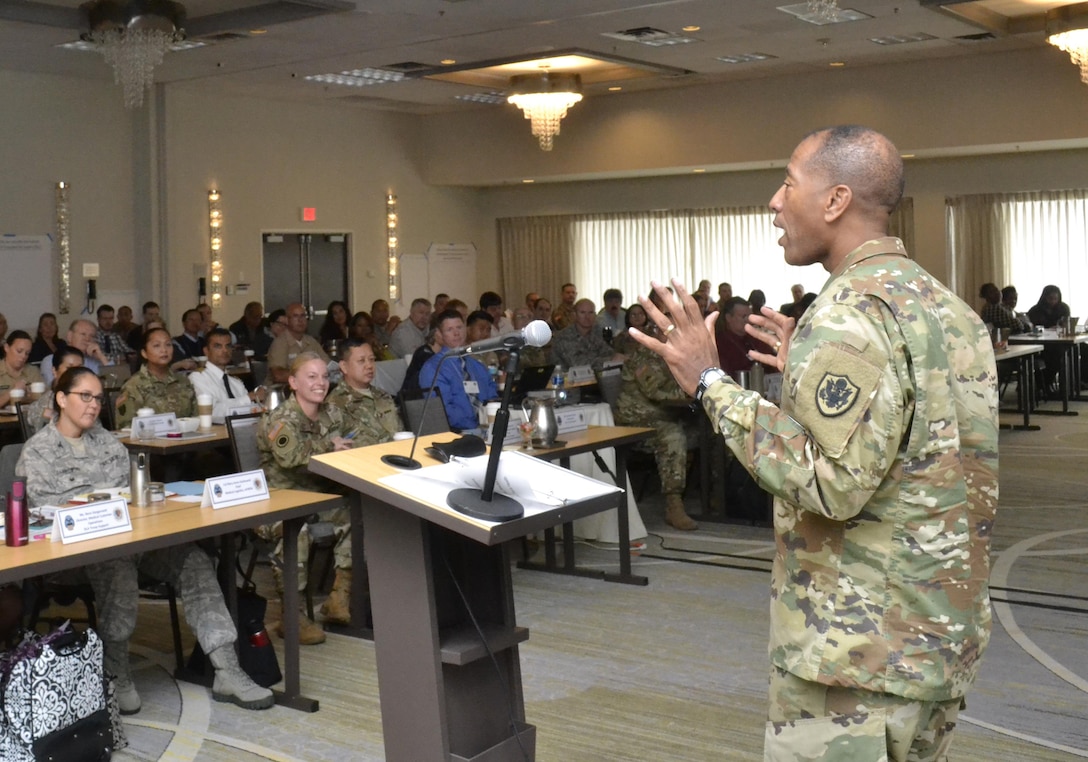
(139, 478)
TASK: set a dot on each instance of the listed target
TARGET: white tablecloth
(603, 526)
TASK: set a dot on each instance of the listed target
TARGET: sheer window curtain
(1048, 244)
(976, 229)
(535, 254)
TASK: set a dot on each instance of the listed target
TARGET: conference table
(1069, 375)
(1024, 354)
(199, 441)
(176, 521)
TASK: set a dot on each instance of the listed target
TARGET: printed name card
(91, 521)
(579, 373)
(235, 489)
(150, 426)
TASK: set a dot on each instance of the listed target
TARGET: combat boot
(676, 516)
(115, 663)
(233, 684)
(309, 631)
(337, 607)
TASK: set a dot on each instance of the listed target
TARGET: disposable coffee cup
(144, 412)
(38, 387)
(17, 394)
(204, 410)
(401, 435)
(492, 411)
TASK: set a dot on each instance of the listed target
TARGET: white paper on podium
(538, 485)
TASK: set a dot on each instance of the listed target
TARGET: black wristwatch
(708, 377)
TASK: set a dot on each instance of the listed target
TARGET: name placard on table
(151, 426)
(235, 489)
(91, 521)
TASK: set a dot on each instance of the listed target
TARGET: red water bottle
(17, 516)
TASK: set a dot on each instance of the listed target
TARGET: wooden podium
(438, 579)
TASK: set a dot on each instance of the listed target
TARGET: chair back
(108, 413)
(22, 409)
(9, 456)
(422, 416)
(242, 430)
(114, 376)
(259, 368)
(610, 382)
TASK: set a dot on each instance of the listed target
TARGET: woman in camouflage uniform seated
(302, 426)
(155, 385)
(72, 455)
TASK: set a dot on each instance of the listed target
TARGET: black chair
(21, 410)
(423, 416)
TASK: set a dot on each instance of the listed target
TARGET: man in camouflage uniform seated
(882, 459)
(287, 437)
(371, 416)
(648, 387)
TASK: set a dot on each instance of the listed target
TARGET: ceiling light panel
(902, 39)
(841, 16)
(357, 77)
(743, 58)
(655, 38)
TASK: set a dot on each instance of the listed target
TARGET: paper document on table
(538, 485)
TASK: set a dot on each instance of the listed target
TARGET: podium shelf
(461, 645)
(508, 749)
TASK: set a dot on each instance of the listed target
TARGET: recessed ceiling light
(837, 63)
(614, 89)
(357, 77)
(902, 39)
(745, 58)
(698, 171)
(258, 31)
(527, 181)
(690, 28)
(448, 61)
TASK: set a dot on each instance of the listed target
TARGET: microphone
(536, 334)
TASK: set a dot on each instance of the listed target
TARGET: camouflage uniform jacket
(55, 472)
(883, 460)
(370, 413)
(173, 394)
(647, 383)
(286, 438)
(29, 374)
(562, 316)
(570, 348)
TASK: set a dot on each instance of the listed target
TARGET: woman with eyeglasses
(73, 455)
(40, 412)
(156, 384)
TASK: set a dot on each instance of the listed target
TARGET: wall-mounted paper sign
(235, 489)
(91, 520)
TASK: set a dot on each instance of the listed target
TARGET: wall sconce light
(391, 243)
(215, 244)
(64, 246)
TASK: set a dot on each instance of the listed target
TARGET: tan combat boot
(337, 607)
(676, 516)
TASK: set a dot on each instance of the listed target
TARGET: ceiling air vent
(407, 67)
(977, 37)
(647, 35)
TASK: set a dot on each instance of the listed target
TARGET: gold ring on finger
(669, 329)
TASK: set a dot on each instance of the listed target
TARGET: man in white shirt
(227, 392)
(411, 333)
(81, 335)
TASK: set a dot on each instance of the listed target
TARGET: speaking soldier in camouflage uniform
(155, 385)
(73, 454)
(883, 462)
(287, 437)
(370, 417)
(647, 388)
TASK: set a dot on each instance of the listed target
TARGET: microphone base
(471, 503)
(401, 461)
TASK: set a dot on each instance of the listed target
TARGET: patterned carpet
(676, 670)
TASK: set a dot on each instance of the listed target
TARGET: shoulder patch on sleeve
(837, 388)
(274, 432)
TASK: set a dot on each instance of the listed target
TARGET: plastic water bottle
(558, 378)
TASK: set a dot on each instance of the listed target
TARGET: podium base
(469, 502)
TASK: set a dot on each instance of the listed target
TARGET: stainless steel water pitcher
(139, 478)
(539, 407)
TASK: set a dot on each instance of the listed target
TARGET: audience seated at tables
(802, 305)
(226, 391)
(1049, 309)
(73, 454)
(564, 313)
(492, 303)
(464, 383)
(612, 315)
(250, 331)
(384, 323)
(995, 313)
(113, 344)
(155, 385)
(412, 333)
(635, 318)
(124, 325)
(430, 347)
(150, 313)
(480, 327)
(1009, 298)
(797, 291)
(81, 335)
(303, 426)
(40, 411)
(530, 301)
(725, 293)
(733, 341)
(189, 344)
(581, 343)
(542, 310)
(648, 388)
(292, 343)
(756, 300)
(461, 308)
(530, 356)
(440, 302)
(371, 415)
(16, 372)
(335, 327)
(362, 329)
(47, 340)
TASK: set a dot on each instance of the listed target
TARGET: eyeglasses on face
(88, 398)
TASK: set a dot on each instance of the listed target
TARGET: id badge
(471, 387)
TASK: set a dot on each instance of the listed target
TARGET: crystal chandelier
(133, 37)
(824, 10)
(545, 98)
(1067, 30)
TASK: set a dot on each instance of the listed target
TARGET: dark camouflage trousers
(810, 721)
(671, 441)
(187, 568)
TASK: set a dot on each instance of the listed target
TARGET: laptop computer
(532, 379)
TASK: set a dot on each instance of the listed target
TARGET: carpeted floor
(677, 670)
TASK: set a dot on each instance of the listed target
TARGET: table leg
(1064, 377)
(291, 695)
(359, 627)
(1025, 394)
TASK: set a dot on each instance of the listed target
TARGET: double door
(311, 268)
